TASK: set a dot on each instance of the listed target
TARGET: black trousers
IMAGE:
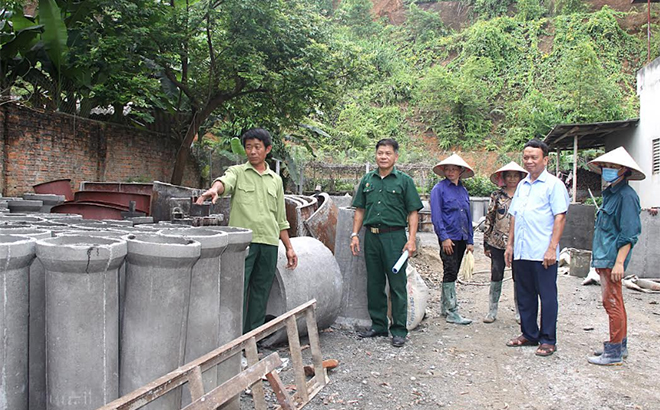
(497, 265)
(452, 263)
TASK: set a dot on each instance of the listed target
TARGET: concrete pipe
(122, 267)
(63, 218)
(317, 276)
(19, 218)
(354, 311)
(232, 274)
(49, 200)
(16, 254)
(37, 337)
(23, 205)
(156, 300)
(82, 320)
(204, 319)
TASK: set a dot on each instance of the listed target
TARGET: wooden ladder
(251, 377)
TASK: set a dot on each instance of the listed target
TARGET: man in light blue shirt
(538, 214)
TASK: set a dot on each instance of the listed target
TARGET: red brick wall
(43, 146)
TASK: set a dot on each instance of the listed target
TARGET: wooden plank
(280, 392)
(223, 393)
(315, 347)
(196, 384)
(296, 358)
(252, 357)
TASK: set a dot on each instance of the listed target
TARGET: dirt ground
(469, 367)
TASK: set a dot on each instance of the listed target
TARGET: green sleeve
(229, 180)
(281, 210)
(413, 201)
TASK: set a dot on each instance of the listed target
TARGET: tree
(255, 61)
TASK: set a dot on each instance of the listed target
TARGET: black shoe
(398, 341)
(371, 333)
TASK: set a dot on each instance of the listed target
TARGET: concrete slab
(354, 310)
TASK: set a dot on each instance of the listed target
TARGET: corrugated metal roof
(590, 135)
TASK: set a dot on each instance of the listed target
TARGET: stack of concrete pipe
(110, 308)
(94, 310)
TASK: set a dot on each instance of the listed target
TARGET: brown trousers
(613, 304)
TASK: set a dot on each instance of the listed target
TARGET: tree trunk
(183, 153)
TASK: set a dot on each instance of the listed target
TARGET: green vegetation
(329, 81)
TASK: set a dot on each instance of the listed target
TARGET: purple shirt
(450, 212)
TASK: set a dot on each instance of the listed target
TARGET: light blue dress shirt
(534, 206)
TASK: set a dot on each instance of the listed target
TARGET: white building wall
(639, 143)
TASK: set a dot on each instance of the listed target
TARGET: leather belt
(384, 229)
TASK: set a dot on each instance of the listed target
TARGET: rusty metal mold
(128, 187)
(91, 210)
(322, 224)
(123, 199)
(298, 209)
(57, 187)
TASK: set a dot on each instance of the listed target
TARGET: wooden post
(575, 160)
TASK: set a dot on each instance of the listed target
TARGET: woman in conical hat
(452, 222)
(496, 233)
(616, 232)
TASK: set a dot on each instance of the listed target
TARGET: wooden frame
(250, 377)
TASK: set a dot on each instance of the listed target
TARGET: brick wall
(42, 146)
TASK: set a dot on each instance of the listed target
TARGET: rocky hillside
(456, 14)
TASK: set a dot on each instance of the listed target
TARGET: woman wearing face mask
(452, 222)
(616, 231)
(496, 233)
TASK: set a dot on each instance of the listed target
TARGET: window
(656, 156)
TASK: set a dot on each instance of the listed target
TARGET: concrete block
(82, 320)
(579, 228)
(157, 296)
(27, 206)
(645, 259)
(353, 310)
(478, 207)
(49, 200)
(16, 254)
(580, 263)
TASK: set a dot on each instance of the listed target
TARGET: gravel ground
(469, 367)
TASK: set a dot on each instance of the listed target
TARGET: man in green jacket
(257, 203)
(386, 201)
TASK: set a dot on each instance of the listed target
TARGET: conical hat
(454, 159)
(621, 157)
(497, 176)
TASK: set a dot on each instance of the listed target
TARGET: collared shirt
(257, 202)
(387, 201)
(617, 225)
(496, 230)
(535, 205)
(450, 212)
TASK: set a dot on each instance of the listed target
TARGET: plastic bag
(467, 267)
(417, 294)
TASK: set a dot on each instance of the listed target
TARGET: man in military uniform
(386, 201)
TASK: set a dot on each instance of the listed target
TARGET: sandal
(520, 341)
(546, 350)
